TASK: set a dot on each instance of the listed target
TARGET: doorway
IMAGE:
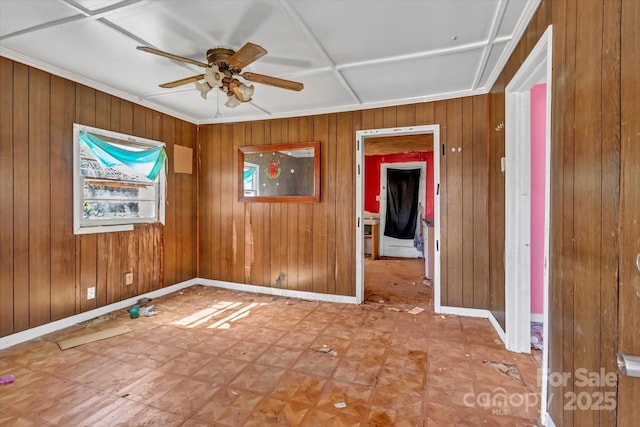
(433, 130)
(536, 70)
(393, 242)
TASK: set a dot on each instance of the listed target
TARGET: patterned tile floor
(213, 357)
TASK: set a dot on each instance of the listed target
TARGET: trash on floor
(536, 335)
(134, 312)
(144, 301)
(416, 310)
(96, 336)
(505, 368)
(148, 311)
(325, 349)
(8, 379)
(340, 405)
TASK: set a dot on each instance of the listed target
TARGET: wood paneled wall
(44, 268)
(585, 188)
(311, 247)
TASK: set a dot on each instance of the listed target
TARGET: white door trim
(535, 69)
(383, 248)
(411, 130)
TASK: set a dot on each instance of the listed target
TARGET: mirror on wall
(279, 173)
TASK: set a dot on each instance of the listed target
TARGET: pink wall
(372, 178)
(538, 126)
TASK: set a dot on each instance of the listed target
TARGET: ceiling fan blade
(246, 55)
(183, 81)
(171, 56)
(273, 81)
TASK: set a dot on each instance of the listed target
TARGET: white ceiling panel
(425, 74)
(17, 15)
(349, 54)
(497, 50)
(321, 90)
(390, 28)
(512, 14)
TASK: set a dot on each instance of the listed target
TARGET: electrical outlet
(91, 292)
(128, 278)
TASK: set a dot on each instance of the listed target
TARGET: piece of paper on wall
(183, 159)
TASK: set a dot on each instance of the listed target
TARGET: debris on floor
(148, 311)
(340, 405)
(8, 379)
(505, 368)
(96, 336)
(325, 349)
(416, 310)
(536, 335)
(144, 301)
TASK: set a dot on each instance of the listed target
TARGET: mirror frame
(254, 149)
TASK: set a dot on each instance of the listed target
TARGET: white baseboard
(278, 291)
(537, 318)
(38, 331)
(497, 327)
(475, 312)
(462, 311)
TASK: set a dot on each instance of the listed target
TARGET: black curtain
(402, 203)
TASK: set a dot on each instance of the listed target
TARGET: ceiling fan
(221, 69)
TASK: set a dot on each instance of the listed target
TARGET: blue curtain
(111, 155)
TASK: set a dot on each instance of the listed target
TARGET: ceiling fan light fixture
(204, 88)
(232, 101)
(213, 76)
(246, 91)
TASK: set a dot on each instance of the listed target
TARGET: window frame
(117, 224)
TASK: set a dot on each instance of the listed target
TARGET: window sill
(103, 229)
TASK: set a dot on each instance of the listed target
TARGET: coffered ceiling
(349, 54)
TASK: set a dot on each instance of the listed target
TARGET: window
(119, 180)
(251, 172)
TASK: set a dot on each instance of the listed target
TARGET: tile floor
(213, 357)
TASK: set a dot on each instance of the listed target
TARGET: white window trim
(77, 185)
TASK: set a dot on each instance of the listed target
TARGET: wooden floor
(213, 357)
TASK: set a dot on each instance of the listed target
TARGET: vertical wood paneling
(86, 115)
(46, 269)
(587, 192)
(292, 214)
(345, 226)
(588, 199)
(479, 188)
(103, 120)
(238, 250)
(319, 226)
(468, 216)
(6, 196)
(610, 183)
(20, 197)
(170, 247)
(330, 197)
(204, 214)
(313, 244)
(306, 233)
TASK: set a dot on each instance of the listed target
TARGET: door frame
(361, 135)
(536, 68)
(422, 195)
